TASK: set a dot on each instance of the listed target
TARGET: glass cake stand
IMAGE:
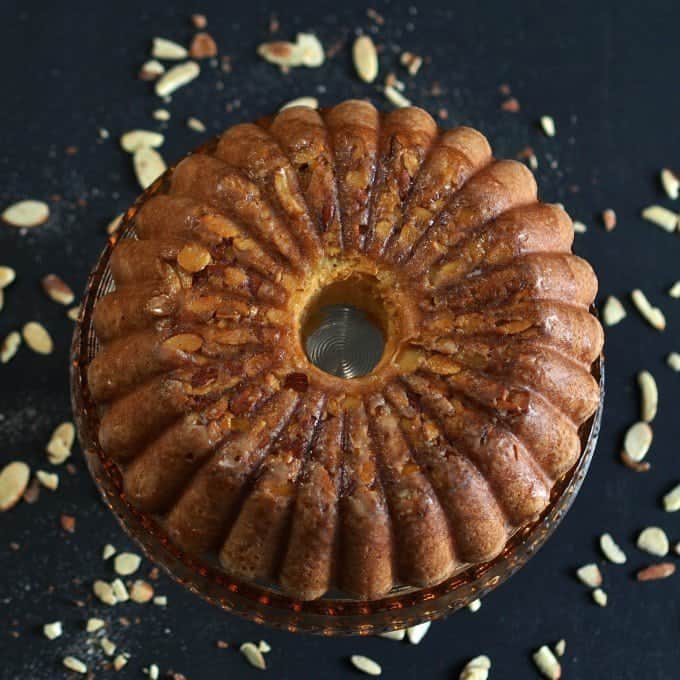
(331, 615)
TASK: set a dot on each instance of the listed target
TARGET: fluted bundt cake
(248, 452)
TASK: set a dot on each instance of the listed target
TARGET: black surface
(607, 72)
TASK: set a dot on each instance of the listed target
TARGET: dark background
(607, 72)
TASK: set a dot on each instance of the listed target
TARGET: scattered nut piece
(195, 124)
(14, 479)
(662, 217)
(396, 97)
(670, 183)
(153, 672)
(150, 70)
(178, 76)
(600, 597)
(264, 647)
(613, 311)
(57, 289)
(53, 630)
(126, 563)
(547, 663)
(476, 669)
(37, 338)
(9, 346)
(651, 314)
(94, 624)
(133, 140)
(193, 258)
(120, 661)
(611, 550)
(73, 313)
(649, 395)
(365, 664)
(560, 647)
(510, 105)
(50, 480)
(161, 114)
(74, 664)
(654, 541)
(590, 575)
(108, 646)
(199, 21)
(548, 125)
(393, 634)
(141, 591)
(61, 442)
(673, 360)
(306, 51)
(365, 58)
(104, 592)
(167, 49)
(416, 633)
(161, 600)
(68, 523)
(311, 50)
(119, 590)
(108, 551)
(609, 219)
(674, 291)
(253, 655)
(203, 46)
(412, 62)
(26, 214)
(656, 572)
(475, 605)
(637, 441)
(579, 227)
(149, 165)
(311, 102)
(113, 225)
(671, 501)
(7, 276)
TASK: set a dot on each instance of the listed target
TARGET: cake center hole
(343, 330)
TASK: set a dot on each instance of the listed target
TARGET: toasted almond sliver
(547, 663)
(57, 289)
(53, 630)
(126, 563)
(104, 592)
(167, 49)
(61, 442)
(651, 314)
(311, 102)
(253, 655)
(670, 183)
(613, 311)
(649, 396)
(136, 139)
(600, 597)
(662, 217)
(178, 76)
(94, 624)
(396, 97)
(74, 664)
(654, 541)
(548, 125)
(195, 124)
(393, 634)
(416, 633)
(149, 165)
(611, 550)
(673, 360)
(14, 479)
(590, 575)
(656, 572)
(37, 338)
(637, 441)
(476, 669)
(365, 58)
(50, 480)
(671, 501)
(579, 227)
(9, 346)
(141, 591)
(560, 647)
(26, 214)
(609, 219)
(7, 276)
(365, 664)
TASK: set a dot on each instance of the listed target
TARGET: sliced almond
(476, 669)
(365, 57)
(411, 62)
(104, 592)
(637, 441)
(579, 227)
(253, 655)
(120, 661)
(94, 624)
(393, 634)
(133, 140)
(613, 311)
(311, 102)
(611, 550)
(26, 214)
(365, 664)
(150, 70)
(662, 217)
(548, 125)
(141, 591)
(609, 219)
(119, 590)
(161, 600)
(7, 276)
(590, 575)
(108, 551)
(73, 313)
(673, 360)
(61, 442)
(37, 338)
(600, 597)
(113, 225)
(149, 166)
(281, 53)
(57, 289)
(177, 77)
(199, 21)
(14, 479)
(654, 541)
(108, 647)
(153, 672)
(264, 647)
(161, 114)
(50, 480)
(416, 633)
(126, 563)
(74, 664)
(674, 291)
(168, 50)
(203, 46)
(671, 501)
(560, 647)
(475, 605)
(311, 50)
(670, 183)
(195, 124)
(649, 396)
(653, 315)
(184, 342)
(9, 346)
(53, 630)
(547, 663)
(656, 572)
(396, 97)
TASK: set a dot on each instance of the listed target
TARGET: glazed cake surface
(246, 451)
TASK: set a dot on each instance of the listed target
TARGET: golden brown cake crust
(246, 451)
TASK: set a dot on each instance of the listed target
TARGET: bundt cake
(248, 453)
